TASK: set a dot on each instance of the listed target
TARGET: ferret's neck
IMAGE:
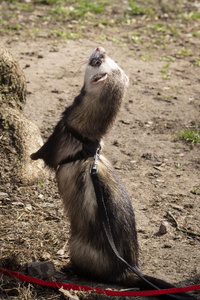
(84, 118)
(91, 115)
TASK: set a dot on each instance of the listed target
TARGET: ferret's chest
(76, 189)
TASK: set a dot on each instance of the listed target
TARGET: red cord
(77, 287)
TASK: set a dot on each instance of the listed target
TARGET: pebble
(3, 195)
(164, 227)
(28, 207)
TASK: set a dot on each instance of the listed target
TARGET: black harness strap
(89, 147)
(88, 150)
(77, 135)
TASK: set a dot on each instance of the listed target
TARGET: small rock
(167, 246)
(45, 256)
(178, 207)
(3, 195)
(28, 207)
(41, 270)
(18, 203)
(164, 227)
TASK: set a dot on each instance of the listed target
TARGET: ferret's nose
(100, 49)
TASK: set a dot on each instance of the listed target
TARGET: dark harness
(89, 147)
(92, 149)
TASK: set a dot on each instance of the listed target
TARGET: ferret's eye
(98, 63)
(95, 62)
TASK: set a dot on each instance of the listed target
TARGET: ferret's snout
(100, 49)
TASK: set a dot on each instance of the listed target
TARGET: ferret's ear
(126, 80)
(34, 156)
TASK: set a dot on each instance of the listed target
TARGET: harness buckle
(94, 169)
(94, 166)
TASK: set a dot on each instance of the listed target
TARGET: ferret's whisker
(79, 65)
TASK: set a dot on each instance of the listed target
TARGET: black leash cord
(107, 229)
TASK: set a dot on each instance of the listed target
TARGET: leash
(105, 219)
(89, 149)
(76, 287)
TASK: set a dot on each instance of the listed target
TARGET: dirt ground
(160, 54)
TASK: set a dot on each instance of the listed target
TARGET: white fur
(66, 177)
(107, 67)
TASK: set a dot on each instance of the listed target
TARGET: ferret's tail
(161, 284)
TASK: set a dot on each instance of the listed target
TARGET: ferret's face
(99, 67)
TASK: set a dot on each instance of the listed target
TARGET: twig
(179, 229)
(47, 213)
(174, 219)
(67, 295)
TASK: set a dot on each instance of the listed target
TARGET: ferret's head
(99, 69)
(96, 107)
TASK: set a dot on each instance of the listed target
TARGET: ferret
(83, 125)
